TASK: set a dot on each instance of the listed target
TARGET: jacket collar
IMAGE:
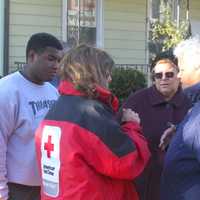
(156, 98)
(103, 94)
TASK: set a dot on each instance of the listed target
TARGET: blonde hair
(85, 67)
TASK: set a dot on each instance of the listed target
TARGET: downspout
(178, 14)
(147, 43)
(1, 37)
(79, 20)
(187, 11)
(6, 37)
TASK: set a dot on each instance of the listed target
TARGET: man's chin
(165, 92)
(51, 78)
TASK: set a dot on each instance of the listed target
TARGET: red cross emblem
(48, 146)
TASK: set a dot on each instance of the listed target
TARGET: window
(155, 9)
(82, 22)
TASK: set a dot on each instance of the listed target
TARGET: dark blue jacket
(181, 174)
(193, 93)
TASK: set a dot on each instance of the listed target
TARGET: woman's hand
(130, 115)
(167, 136)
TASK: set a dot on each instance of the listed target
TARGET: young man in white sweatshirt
(25, 98)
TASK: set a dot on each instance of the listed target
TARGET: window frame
(99, 22)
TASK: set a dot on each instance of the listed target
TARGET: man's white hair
(188, 51)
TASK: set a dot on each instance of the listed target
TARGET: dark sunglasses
(166, 74)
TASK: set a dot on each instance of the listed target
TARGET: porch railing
(18, 64)
(144, 68)
(141, 67)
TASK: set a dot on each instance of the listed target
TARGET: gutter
(6, 38)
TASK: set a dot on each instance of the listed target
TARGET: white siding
(124, 30)
(195, 16)
(28, 17)
(124, 27)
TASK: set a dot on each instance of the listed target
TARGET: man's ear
(31, 56)
(152, 76)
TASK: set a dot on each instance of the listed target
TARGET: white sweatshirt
(23, 105)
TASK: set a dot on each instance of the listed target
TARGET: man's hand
(130, 115)
(167, 136)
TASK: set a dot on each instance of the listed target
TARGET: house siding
(28, 17)
(194, 9)
(124, 27)
(195, 16)
(125, 30)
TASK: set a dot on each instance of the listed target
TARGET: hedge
(125, 81)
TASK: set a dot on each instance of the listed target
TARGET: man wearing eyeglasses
(181, 172)
(160, 108)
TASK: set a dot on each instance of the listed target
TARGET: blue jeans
(23, 192)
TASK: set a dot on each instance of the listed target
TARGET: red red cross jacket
(84, 154)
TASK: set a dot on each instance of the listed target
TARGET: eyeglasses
(166, 75)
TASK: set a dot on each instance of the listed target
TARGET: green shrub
(125, 81)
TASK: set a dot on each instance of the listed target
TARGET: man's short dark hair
(39, 41)
(162, 56)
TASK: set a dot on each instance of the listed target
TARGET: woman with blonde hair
(83, 153)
